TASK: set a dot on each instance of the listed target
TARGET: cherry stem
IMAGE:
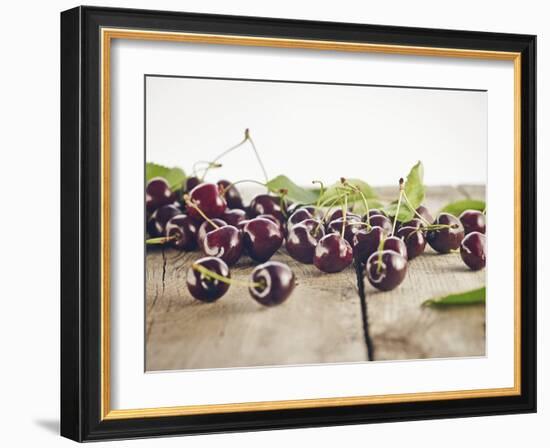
(227, 151)
(160, 240)
(379, 258)
(344, 215)
(414, 210)
(190, 203)
(249, 138)
(321, 192)
(230, 281)
(364, 198)
(207, 167)
(283, 192)
(401, 192)
(439, 226)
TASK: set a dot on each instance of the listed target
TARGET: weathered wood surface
(321, 322)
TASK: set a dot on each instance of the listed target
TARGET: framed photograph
(272, 223)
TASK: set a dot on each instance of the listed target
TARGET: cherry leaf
(457, 207)
(293, 191)
(174, 176)
(414, 189)
(475, 296)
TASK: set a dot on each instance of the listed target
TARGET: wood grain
(321, 322)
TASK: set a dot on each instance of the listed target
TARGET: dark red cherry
(352, 226)
(265, 204)
(386, 270)
(273, 283)
(415, 222)
(184, 231)
(381, 221)
(395, 244)
(472, 250)
(231, 194)
(262, 238)
(203, 287)
(156, 226)
(414, 239)
(472, 221)
(332, 253)
(447, 238)
(157, 194)
(206, 227)
(425, 213)
(298, 216)
(303, 238)
(366, 242)
(274, 220)
(207, 198)
(339, 213)
(225, 243)
(191, 182)
(374, 212)
(233, 217)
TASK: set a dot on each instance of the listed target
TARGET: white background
(313, 131)
(30, 274)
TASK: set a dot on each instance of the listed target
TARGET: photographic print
(294, 223)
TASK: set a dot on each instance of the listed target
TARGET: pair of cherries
(270, 283)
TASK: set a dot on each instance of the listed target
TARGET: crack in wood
(359, 271)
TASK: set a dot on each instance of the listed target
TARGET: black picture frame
(81, 224)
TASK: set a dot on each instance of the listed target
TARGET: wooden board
(322, 322)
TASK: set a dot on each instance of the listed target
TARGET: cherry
(386, 269)
(395, 244)
(275, 221)
(234, 217)
(204, 286)
(448, 237)
(339, 213)
(265, 204)
(374, 212)
(225, 243)
(273, 283)
(156, 225)
(381, 221)
(157, 194)
(208, 226)
(231, 194)
(332, 253)
(414, 239)
(298, 216)
(303, 238)
(262, 237)
(205, 200)
(352, 226)
(425, 213)
(366, 242)
(182, 232)
(472, 250)
(191, 182)
(472, 221)
(415, 222)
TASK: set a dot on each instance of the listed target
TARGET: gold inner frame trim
(107, 35)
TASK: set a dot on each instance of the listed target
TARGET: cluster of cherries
(213, 218)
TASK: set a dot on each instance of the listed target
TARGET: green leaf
(414, 189)
(472, 297)
(174, 176)
(335, 190)
(294, 192)
(457, 207)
